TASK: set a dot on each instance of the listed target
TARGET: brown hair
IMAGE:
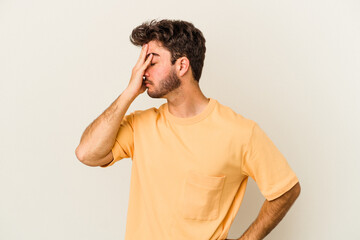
(181, 38)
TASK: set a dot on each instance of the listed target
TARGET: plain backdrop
(291, 66)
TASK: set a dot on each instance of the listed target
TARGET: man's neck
(190, 104)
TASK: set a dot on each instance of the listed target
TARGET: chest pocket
(201, 196)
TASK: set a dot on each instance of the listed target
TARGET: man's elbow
(91, 159)
(296, 191)
(83, 157)
(79, 154)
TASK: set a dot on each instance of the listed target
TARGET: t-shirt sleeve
(264, 163)
(124, 143)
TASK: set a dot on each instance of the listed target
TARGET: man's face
(160, 75)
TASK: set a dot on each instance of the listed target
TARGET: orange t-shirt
(189, 175)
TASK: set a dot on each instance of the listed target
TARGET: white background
(291, 66)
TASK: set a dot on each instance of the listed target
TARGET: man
(192, 156)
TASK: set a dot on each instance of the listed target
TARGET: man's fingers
(148, 60)
(142, 55)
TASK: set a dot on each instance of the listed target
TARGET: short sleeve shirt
(188, 175)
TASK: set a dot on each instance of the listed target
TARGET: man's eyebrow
(155, 54)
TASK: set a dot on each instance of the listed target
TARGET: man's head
(180, 38)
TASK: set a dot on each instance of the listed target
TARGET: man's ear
(183, 66)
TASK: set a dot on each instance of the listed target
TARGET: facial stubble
(166, 85)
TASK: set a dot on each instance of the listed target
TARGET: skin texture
(160, 76)
(165, 86)
(271, 213)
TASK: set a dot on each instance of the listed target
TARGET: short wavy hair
(181, 38)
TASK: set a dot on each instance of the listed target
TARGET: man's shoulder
(233, 116)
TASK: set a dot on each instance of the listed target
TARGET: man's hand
(271, 213)
(99, 137)
(136, 84)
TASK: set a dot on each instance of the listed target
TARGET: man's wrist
(128, 93)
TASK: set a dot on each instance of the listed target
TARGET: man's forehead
(155, 44)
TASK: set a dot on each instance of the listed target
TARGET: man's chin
(153, 95)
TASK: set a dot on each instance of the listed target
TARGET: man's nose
(146, 74)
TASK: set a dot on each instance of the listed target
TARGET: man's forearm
(271, 213)
(99, 137)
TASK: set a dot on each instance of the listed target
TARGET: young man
(192, 156)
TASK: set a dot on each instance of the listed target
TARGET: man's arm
(271, 213)
(99, 137)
